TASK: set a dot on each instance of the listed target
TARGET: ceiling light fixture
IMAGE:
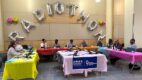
(97, 1)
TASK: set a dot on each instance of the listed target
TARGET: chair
(129, 49)
(139, 50)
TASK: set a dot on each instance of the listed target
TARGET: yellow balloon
(100, 23)
(15, 19)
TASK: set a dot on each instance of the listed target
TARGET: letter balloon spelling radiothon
(72, 9)
(59, 8)
(83, 17)
(15, 35)
(39, 14)
(100, 35)
(50, 9)
(92, 25)
(27, 25)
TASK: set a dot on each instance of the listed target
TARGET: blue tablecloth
(103, 50)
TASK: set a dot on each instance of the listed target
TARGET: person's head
(71, 40)
(110, 41)
(116, 42)
(56, 41)
(43, 40)
(17, 41)
(132, 41)
(12, 44)
(83, 41)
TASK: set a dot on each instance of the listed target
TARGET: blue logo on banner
(84, 62)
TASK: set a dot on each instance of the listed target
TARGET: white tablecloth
(68, 58)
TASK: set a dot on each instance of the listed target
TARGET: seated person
(132, 44)
(83, 43)
(56, 44)
(121, 47)
(70, 44)
(43, 44)
(19, 47)
(11, 51)
(116, 44)
(110, 43)
(99, 43)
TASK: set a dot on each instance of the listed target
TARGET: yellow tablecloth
(21, 68)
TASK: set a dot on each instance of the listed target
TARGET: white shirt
(70, 45)
(11, 53)
(19, 48)
(43, 45)
(134, 46)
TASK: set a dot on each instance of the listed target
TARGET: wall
(109, 21)
(138, 22)
(52, 28)
(1, 30)
(118, 20)
(128, 20)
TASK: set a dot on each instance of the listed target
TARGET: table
(103, 50)
(133, 57)
(50, 51)
(67, 62)
(90, 48)
(20, 68)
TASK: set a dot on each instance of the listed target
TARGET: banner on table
(84, 62)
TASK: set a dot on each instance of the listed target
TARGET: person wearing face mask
(83, 44)
(56, 44)
(70, 44)
(132, 44)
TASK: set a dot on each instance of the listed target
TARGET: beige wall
(52, 28)
(49, 30)
(138, 22)
(128, 20)
(109, 22)
(1, 31)
(118, 20)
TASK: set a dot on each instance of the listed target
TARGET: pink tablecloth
(133, 57)
(67, 62)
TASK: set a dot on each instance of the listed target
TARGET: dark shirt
(100, 44)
